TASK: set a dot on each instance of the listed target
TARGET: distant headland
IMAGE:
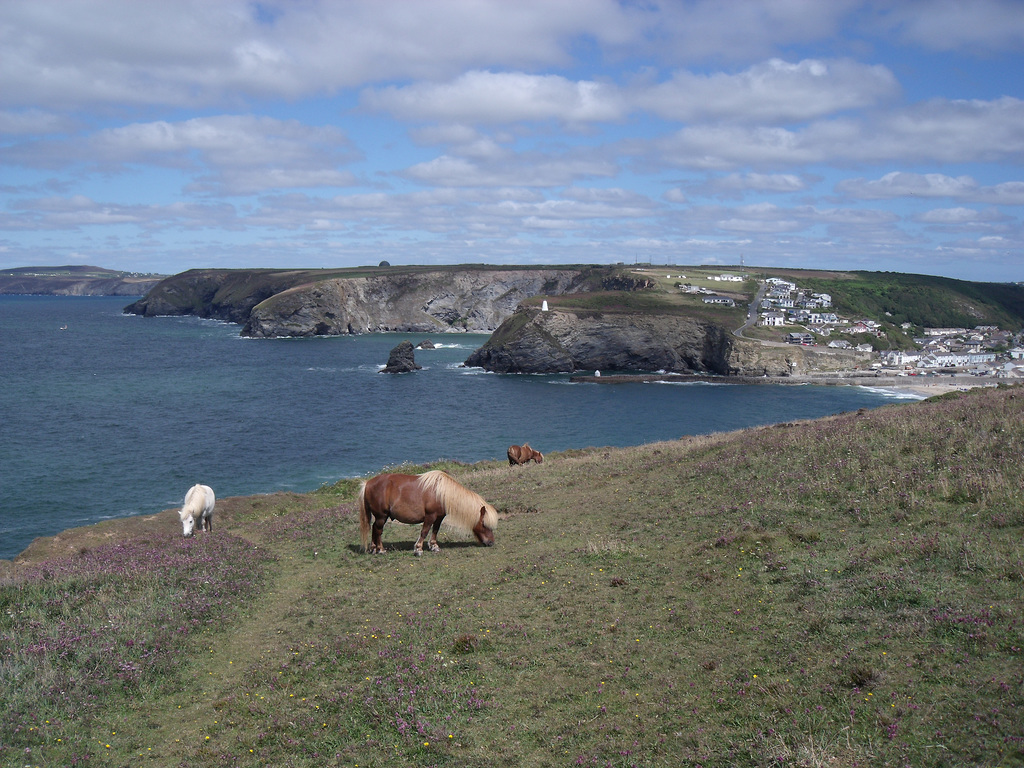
(75, 280)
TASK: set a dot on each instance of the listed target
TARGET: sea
(106, 415)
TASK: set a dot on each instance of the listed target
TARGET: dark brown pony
(520, 454)
(430, 498)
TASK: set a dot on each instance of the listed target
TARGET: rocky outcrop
(752, 358)
(561, 341)
(221, 294)
(402, 359)
(446, 301)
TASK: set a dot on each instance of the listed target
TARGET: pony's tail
(364, 518)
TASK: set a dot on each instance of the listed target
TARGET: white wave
(442, 345)
(895, 394)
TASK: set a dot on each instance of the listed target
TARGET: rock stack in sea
(402, 359)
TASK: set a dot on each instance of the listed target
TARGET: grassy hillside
(922, 300)
(842, 592)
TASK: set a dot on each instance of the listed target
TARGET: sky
(154, 136)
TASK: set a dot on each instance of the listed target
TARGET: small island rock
(402, 359)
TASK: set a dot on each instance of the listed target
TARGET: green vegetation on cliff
(845, 592)
(921, 300)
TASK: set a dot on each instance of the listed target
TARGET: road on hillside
(762, 288)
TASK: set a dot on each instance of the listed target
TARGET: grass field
(840, 592)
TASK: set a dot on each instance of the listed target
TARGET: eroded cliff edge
(562, 341)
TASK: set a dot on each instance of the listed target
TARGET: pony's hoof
(417, 552)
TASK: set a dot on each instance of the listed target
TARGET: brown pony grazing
(520, 454)
(429, 498)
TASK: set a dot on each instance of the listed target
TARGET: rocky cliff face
(221, 294)
(532, 341)
(272, 303)
(429, 302)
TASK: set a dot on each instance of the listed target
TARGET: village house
(772, 319)
(942, 360)
(716, 299)
(898, 358)
(1009, 370)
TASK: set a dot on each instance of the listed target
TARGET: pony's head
(484, 529)
(188, 523)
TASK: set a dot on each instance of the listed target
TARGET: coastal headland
(763, 323)
(75, 280)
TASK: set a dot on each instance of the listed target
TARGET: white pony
(199, 503)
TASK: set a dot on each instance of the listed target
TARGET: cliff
(273, 303)
(564, 341)
(429, 302)
(221, 294)
(74, 281)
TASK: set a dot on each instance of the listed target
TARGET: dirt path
(260, 639)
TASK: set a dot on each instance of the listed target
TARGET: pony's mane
(194, 502)
(462, 506)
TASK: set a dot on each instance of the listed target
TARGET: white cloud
(489, 97)
(933, 185)
(548, 171)
(939, 131)
(947, 25)
(106, 52)
(698, 29)
(573, 210)
(761, 226)
(77, 211)
(229, 154)
(950, 216)
(461, 129)
(737, 183)
(773, 92)
(905, 184)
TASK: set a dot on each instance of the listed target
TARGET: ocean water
(108, 415)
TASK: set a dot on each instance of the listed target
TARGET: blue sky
(158, 137)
